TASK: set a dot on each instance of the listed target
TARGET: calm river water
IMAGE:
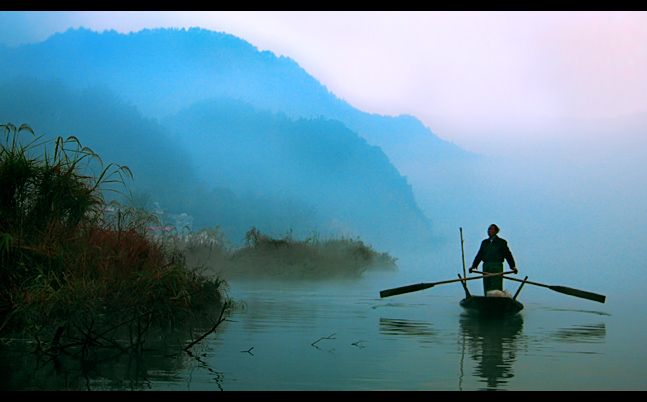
(342, 336)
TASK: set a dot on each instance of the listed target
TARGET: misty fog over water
(238, 138)
(556, 188)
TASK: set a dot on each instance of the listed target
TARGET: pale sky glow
(446, 68)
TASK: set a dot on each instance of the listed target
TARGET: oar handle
(496, 273)
(484, 275)
(515, 279)
(422, 286)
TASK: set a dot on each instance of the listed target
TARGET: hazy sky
(452, 70)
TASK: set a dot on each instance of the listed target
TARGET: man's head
(492, 230)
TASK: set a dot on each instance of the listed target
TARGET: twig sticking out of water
(248, 351)
(220, 320)
(332, 336)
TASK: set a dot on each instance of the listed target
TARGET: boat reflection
(492, 343)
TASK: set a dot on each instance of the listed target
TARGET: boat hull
(491, 306)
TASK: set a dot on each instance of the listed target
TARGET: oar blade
(405, 289)
(579, 293)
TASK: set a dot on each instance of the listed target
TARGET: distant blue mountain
(318, 162)
(247, 120)
(164, 70)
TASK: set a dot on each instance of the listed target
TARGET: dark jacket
(494, 251)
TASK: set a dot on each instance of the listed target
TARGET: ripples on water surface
(344, 337)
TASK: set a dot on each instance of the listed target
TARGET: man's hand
(516, 271)
(472, 269)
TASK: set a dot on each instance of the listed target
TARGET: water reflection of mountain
(492, 343)
(595, 333)
(419, 329)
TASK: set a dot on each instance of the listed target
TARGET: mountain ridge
(263, 79)
(163, 72)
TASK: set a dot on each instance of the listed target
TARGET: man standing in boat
(492, 252)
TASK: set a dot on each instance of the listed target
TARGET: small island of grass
(270, 258)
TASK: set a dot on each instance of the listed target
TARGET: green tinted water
(344, 337)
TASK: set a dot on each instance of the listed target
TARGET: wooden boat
(491, 306)
(495, 304)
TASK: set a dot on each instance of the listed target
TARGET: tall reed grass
(64, 258)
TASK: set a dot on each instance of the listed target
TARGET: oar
(423, 286)
(561, 289)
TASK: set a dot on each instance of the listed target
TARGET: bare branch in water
(220, 320)
(332, 336)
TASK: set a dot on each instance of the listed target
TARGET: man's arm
(508, 256)
(477, 259)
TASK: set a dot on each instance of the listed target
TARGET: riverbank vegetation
(68, 259)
